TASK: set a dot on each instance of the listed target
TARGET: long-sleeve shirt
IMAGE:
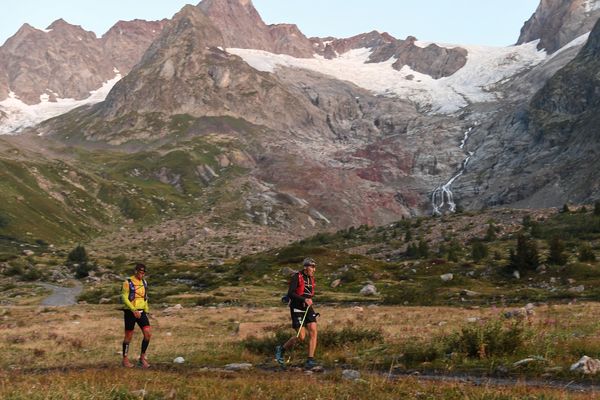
(138, 302)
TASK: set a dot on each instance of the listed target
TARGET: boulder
(577, 289)
(336, 283)
(587, 365)
(238, 367)
(172, 310)
(179, 360)
(368, 290)
(350, 374)
(447, 277)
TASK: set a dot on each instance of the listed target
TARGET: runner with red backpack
(134, 295)
(304, 318)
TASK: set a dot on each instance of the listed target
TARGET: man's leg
(126, 341)
(312, 339)
(129, 321)
(145, 342)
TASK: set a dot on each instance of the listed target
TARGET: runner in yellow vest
(134, 295)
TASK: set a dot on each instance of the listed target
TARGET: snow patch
(20, 115)
(474, 82)
(591, 5)
(578, 41)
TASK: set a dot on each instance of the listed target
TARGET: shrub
(328, 339)
(491, 339)
(597, 208)
(586, 253)
(77, 255)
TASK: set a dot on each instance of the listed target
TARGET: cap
(309, 261)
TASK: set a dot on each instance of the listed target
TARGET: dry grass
(57, 353)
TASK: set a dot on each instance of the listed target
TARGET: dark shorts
(130, 320)
(297, 316)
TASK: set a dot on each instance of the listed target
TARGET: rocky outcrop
(126, 41)
(432, 60)
(557, 22)
(242, 27)
(66, 61)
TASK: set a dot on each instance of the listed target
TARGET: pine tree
(526, 257)
(490, 234)
(423, 249)
(597, 208)
(479, 250)
(557, 254)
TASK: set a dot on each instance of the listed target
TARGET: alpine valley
(214, 135)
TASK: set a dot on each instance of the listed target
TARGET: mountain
(65, 61)
(242, 27)
(557, 22)
(543, 150)
(228, 128)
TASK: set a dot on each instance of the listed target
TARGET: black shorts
(298, 314)
(130, 320)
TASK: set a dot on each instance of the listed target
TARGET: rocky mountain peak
(242, 27)
(557, 22)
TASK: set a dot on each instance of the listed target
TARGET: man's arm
(292, 290)
(125, 296)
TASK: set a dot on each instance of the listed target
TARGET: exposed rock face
(557, 22)
(327, 153)
(126, 41)
(242, 27)
(432, 60)
(185, 71)
(544, 152)
(67, 61)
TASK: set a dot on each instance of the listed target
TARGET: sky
(483, 22)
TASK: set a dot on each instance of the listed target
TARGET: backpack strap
(131, 290)
(145, 289)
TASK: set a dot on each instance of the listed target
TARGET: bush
(77, 256)
(489, 340)
(586, 253)
(328, 339)
(492, 339)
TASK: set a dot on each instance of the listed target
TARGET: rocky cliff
(65, 61)
(557, 22)
(543, 151)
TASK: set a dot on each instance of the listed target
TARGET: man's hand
(137, 314)
(308, 302)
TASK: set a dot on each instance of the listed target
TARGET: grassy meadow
(415, 329)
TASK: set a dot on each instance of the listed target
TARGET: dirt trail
(62, 296)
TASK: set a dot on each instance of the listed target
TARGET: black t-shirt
(297, 301)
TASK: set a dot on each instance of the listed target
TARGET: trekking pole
(302, 323)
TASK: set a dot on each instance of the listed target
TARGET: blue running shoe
(279, 356)
(310, 363)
